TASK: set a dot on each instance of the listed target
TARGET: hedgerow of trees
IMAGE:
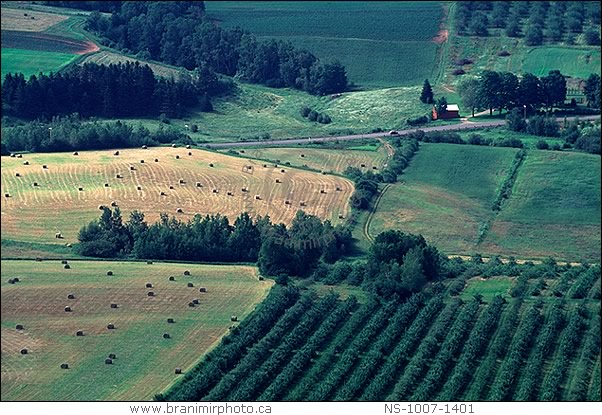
(181, 33)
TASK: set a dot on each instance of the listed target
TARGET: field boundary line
(372, 212)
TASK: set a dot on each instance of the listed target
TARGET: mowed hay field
(554, 209)
(335, 160)
(372, 39)
(36, 213)
(27, 20)
(145, 361)
(445, 194)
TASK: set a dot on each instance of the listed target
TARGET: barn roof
(453, 107)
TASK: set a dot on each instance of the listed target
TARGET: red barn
(452, 112)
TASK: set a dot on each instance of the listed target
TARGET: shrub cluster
(314, 115)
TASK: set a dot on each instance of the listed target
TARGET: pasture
(327, 349)
(554, 209)
(32, 62)
(327, 159)
(372, 39)
(145, 362)
(445, 194)
(27, 20)
(198, 183)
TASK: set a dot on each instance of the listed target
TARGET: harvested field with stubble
(145, 362)
(36, 213)
(27, 20)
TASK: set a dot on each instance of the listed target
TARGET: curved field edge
(145, 361)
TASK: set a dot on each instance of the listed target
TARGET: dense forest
(72, 134)
(117, 90)
(180, 33)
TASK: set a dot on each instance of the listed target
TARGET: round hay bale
(26, 163)
(101, 207)
(233, 318)
(113, 203)
(190, 153)
(181, 181)
(196, 301)
(265, 165)
(210, 164)
(58, 235)
(68, 309)
(198, 184)
(64, 261)
(24, 351)
(108, 361)
(151, 294)
(242, 151)
(112, 356)
(118, 176)
(373, 167)
(324, 173)
(156, 160)
(166, 336)
(6, 195)
(341, 216)
(257, 197)
(19, 156)
(170, 187)
(64, 366)
(172, 278)
(19, 327)
(68, 245)
(177, 157)
(282, 171)
(202, 290)
(277, 180)
(362, 165)
(44, 166)
(338, 189)
(191, 304)
(149, 285)
(79, 333)
(178, 371)
(173, 145)
(322, 191)
(144, 147)
(302, 203)
(214, 190)
(170, 320)
(16, 279)
(116, 153)
(70, 296)
(11, 281)
(132, 168)
(287, 202)
(109, 272)
(179, 210)
(106, 184)
(230, 194)
(162, 193)
(244, 189)
(113, 305)
(186, 272)
(190, 285)
(188, 146)
(110, 326)
(81, 189)
(141, 161)
(149, 262)
(35, 184)
(75, 153)
(261, 278)
(13, 155)
(17, 174)
(138, 187)
(67, 266)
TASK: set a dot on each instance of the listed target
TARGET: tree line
(278, 250)
(180, 33)
(72, 134)
(117, 90)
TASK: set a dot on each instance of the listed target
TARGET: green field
(490, 348)
(31, 62)
(554, 209)
(374, 40)
(145, 361)
(445, 194)
(335, 160)
(502, 133)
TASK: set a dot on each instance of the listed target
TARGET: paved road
(451, 127)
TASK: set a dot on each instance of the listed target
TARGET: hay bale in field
(132, 168)
(302, 155)
(257, 197)
(75, 153)
(198, 184)
(178, 371)
(265, 165)
(261, 278)
(16, 279)
(172, 278)
(196, 301)
(244, 189)
(190, 285)
(190, 153)
(282, 171)
(68, 309)
(177, 157)
(67, 266)
(151, 294)
(186, 272)
(341, 216)
(118, 176)
(111, 326)
(362, 165)
(38, 259)
(302, 203)
(6, 195)
(101, 207)
(106, 184)
(230, 194)
(68, 245)
(182, 181)
(17, 174)
(324, 173)
(275, 165)
(338, 189)
(79, 333)
(170, 320)
(170, 187)
(373, 167)
(214, 190)
(149, 262)
(191, 304)
(112, 356)
(24, 351)
(35, 184)
(113, 203)
(173, 145)
(210, 164)
(19, 327)
(109, 272)
(233, 318)
(19, 156)
(188, 146)
(70, 296)
(156, 160)
(13, 155)
(58, 235)
(64, 366)
(203, 290)
(81, 189)
(149, 285)
(138, 187)
(287, 202)
(144, 147)
(108, 361)
(242, 151)
(116, 153)
(166, 336)
(278, 181)
(162, 193)
(26, 163)
(113, 305)
(141, 161)
(322, 191)
(44, 166)
(179, 210)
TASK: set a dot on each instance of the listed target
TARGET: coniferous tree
(426, 95)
